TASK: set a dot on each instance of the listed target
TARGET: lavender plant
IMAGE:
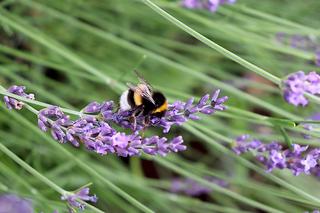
(71, 53)
(97, 134)
(298, 159)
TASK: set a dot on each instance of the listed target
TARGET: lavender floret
(297, 84)
(12, 103)
(73, 200)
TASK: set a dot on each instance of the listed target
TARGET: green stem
(41, 177)
(135, 165)
(214, 186)
(245, 162)
(274, 18)
(212, 44)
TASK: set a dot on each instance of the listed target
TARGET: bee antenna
(134, 69)
(140, 62)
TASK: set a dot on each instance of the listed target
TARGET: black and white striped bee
(143, 100)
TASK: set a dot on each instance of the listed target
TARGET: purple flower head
(244, 144)
(126, 145)
(98, 135)
(276, 160)
(309, 162)
(299, 159)
(213, 5)
(299, 83)
(12, 103)
(179, 112)
(74, 199)
(14, 204)
(161, 146)
(193, 188)
(94, 127)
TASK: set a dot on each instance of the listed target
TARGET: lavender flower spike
(12, 103)
(179, 112)
(300, 159)
(82, 194)
(299, 83)
(94, 128)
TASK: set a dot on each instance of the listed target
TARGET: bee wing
(143, 90)
(142, 80)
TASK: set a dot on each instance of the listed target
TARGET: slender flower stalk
(42, 178)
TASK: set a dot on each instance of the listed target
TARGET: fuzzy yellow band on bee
(162, 108)
(137, 99)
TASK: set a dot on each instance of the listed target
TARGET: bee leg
(146, 121)
(138, 111)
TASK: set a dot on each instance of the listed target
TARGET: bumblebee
(143, 100)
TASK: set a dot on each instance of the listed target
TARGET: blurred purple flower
(192, 4)
(211, 5)
(83, 195)
(12, 103)
(305, 43)
(10, 203)
(308, 126)
(299, 83)
(314, 211)
(299, 159)
(193, 188)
